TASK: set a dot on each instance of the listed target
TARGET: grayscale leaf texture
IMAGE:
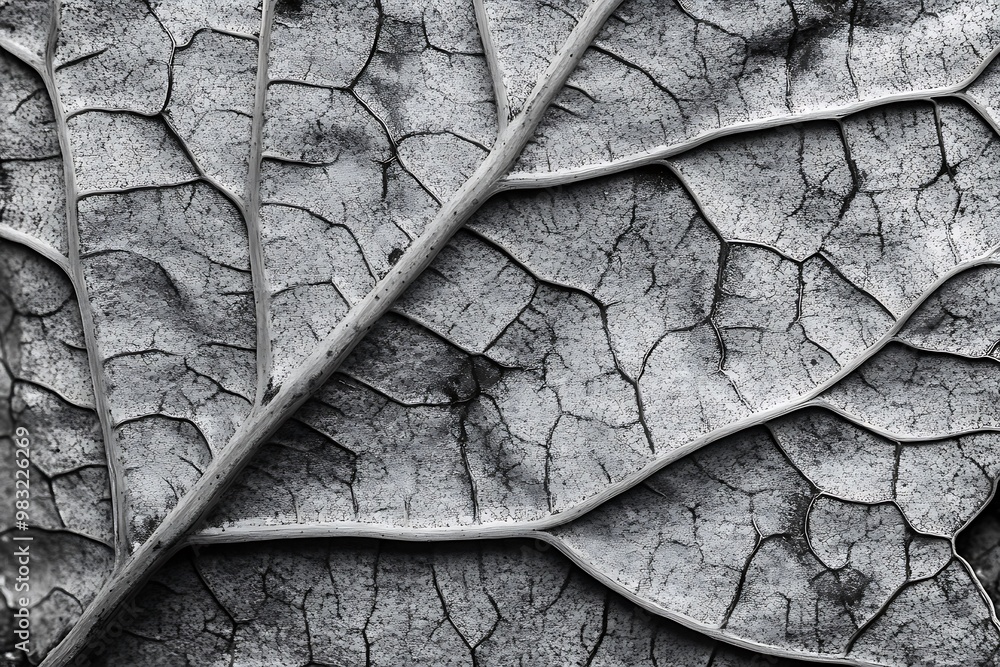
(482, 332)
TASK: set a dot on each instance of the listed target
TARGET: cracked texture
(687, 69)
(938, 485)
(429, 417)
(225, 182)
(737, 540)
(337, 209)
(603, 325)
(153, 157)
(527, 34)
(211, 104)
(183, 18)
(134, 53)
(427, 77)
(361, 603)
(173, 312)
(32, 200)
(45, 388)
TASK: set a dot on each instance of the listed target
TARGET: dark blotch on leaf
(149, 524)
(270, 393)
(284, 7)
(979, 544)
(486, 372)
(853, 585)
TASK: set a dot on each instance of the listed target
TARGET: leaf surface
(45, 390)
(352, 602)
(687, 71)
(289, 270)
(638, 341)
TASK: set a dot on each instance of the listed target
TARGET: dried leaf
(701, 295)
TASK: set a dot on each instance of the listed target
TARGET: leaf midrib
(314, 371)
